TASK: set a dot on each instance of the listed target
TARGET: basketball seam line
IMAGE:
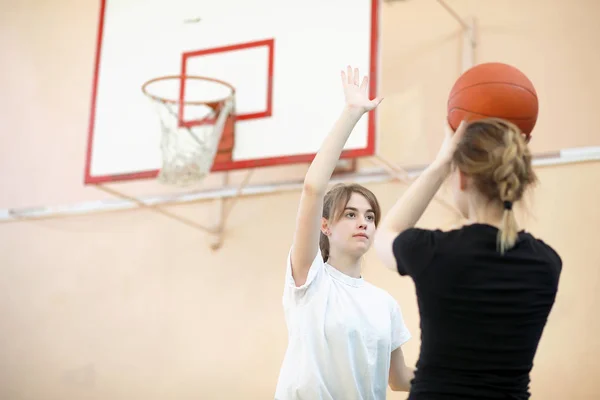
(492, 83)
(492, 116)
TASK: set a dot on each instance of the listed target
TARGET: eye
(350, 214)
(370, 217)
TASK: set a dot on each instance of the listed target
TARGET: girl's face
(353, 232)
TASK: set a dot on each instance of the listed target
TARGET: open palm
(357, 96)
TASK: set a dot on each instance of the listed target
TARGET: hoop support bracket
(224, 208)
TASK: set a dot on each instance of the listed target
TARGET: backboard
(282, 58)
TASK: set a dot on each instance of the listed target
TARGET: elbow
(402, 382)
(388, 229)
(378, 239)
(395, 388)
(382, 244)
(378, 247)
(308, 187)
(400, 387)
(312, 189)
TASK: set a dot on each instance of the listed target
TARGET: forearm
(320, 171)
(411, 206)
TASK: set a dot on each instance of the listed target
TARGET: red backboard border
(268, 43)
(243, 164)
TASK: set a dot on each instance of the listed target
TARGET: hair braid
(495, 154)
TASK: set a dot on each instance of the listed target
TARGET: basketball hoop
(189, 143)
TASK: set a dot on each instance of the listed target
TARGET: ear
(325, 226)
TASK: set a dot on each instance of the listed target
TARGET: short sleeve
(400, 332)
(297, 295)
(414, 250)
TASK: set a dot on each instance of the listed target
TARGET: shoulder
(423, 238)
(545, 251)
(296, 295)
(415, 248)
(549, 251)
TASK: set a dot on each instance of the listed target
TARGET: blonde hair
(335, 202)
(494, 153)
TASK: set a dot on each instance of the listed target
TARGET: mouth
(361, 235)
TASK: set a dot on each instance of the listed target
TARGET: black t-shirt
(482, 313)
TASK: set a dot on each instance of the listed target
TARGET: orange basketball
(494, 90)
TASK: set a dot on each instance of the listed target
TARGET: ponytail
(324, 246)
(507, 237)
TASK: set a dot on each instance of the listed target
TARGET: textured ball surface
(494, 90)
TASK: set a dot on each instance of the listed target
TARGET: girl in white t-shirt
(344, 333)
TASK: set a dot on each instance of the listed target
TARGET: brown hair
(494, 153)
(335, 202)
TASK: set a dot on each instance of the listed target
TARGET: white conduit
(372, 175)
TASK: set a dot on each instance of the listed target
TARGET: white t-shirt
(341, 331)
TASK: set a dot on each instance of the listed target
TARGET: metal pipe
(454, 14)
(373, 175)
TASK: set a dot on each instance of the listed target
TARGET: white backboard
(283, 59)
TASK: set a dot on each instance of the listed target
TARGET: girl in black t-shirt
(484, 290)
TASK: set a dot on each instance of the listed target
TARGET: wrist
(352, 111)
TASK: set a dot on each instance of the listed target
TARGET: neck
(485, 213)
(345, 263)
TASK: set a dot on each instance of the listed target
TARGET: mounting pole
(217, 239)
(225, 209)
(469, 41)
(469, 45)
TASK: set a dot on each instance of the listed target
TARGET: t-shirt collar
(347, 279)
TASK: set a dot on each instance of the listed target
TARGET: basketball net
(188, 150)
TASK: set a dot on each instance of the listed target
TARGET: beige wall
(554, 42)
(131, 305)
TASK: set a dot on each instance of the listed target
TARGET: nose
(362, 224)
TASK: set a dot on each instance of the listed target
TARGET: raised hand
(357, 97)
(450, 143)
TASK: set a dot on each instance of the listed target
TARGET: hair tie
(508, 205)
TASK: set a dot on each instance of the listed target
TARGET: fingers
(356, 90)
(457, 135)
(448, 131)
(365, 84)
(462, 127)
(376, 101)
(352, 77)
(459, 130)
